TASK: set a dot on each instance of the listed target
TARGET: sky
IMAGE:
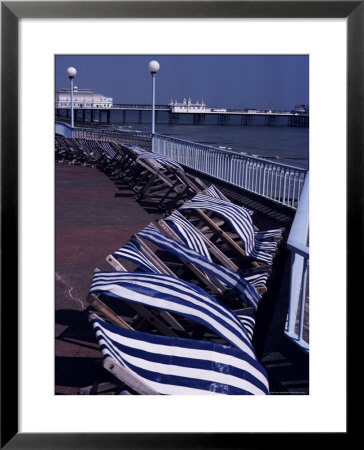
(231, 81)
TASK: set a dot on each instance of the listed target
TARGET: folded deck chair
(275, 234)
(241, 223)
(176, 225)
(153, 365)
(159, 320)
(170, 294)
(163, 182)
(247, 293)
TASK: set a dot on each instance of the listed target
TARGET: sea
(281, 143)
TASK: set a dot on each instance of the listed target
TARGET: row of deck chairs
(86, 152)
(194, 307)
(153, 178)
(180, 319)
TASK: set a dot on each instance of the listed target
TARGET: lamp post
(153, 67)
(71, 72)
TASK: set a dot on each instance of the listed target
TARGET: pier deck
(94, 217)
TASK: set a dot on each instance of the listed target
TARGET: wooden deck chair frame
(175, 328)
(216, 252)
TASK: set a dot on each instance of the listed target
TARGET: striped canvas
(245, 290)
(238, 217)
(248, 322)
(160, 158)
(176, 366)
(132, 253)
(187, 232)
(171, 294)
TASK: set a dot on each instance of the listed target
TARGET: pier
(169, 114)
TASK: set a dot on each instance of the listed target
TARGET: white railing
(297, 243)
(278, 182)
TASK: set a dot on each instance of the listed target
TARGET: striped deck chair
(176, 225)
(162, 182)
(247, 293)
(152, 365)
(127, 168)
(276, 234)
(159, 320)
(241, 223)
(148, 262)
(179, 297)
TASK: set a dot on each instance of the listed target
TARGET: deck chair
(163, 321)
(275, 234)
(211, 272)
(178, 227)
(179, 297)
(152, 365)
(162, 181)
(69, 151)
(239, 221)
(144, 259)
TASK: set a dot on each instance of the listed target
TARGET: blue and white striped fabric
(245, 290)
(268, 234)
(132, 253)
(177, 366)
(238, 217)
(171, 294)
(160, 159)
(188, 233)
(213, 192)
(249, 323)
(191, 237)
(257, 279)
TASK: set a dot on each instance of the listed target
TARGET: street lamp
(153, 67)
(71, 72)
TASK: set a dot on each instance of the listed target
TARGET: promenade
(94, 217)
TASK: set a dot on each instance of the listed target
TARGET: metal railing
(278, 182)
(297, 243)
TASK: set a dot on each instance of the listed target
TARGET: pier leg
(124, 116)
(108, 115)
(140, 116)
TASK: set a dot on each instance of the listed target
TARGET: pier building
(82, 98)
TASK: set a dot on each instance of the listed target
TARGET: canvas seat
(239, 222)
(137, 252)
(226, 279)
(167, 293)
(177, 226)
(152, 365)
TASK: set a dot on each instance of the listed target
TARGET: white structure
(188, 107)
(82, 98)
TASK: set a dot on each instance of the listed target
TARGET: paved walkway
(94, 217)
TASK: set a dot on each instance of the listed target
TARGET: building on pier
(82, 98)
(188, 107)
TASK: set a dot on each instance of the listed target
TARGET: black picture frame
(11, 12)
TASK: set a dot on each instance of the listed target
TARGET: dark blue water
(285, 144)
